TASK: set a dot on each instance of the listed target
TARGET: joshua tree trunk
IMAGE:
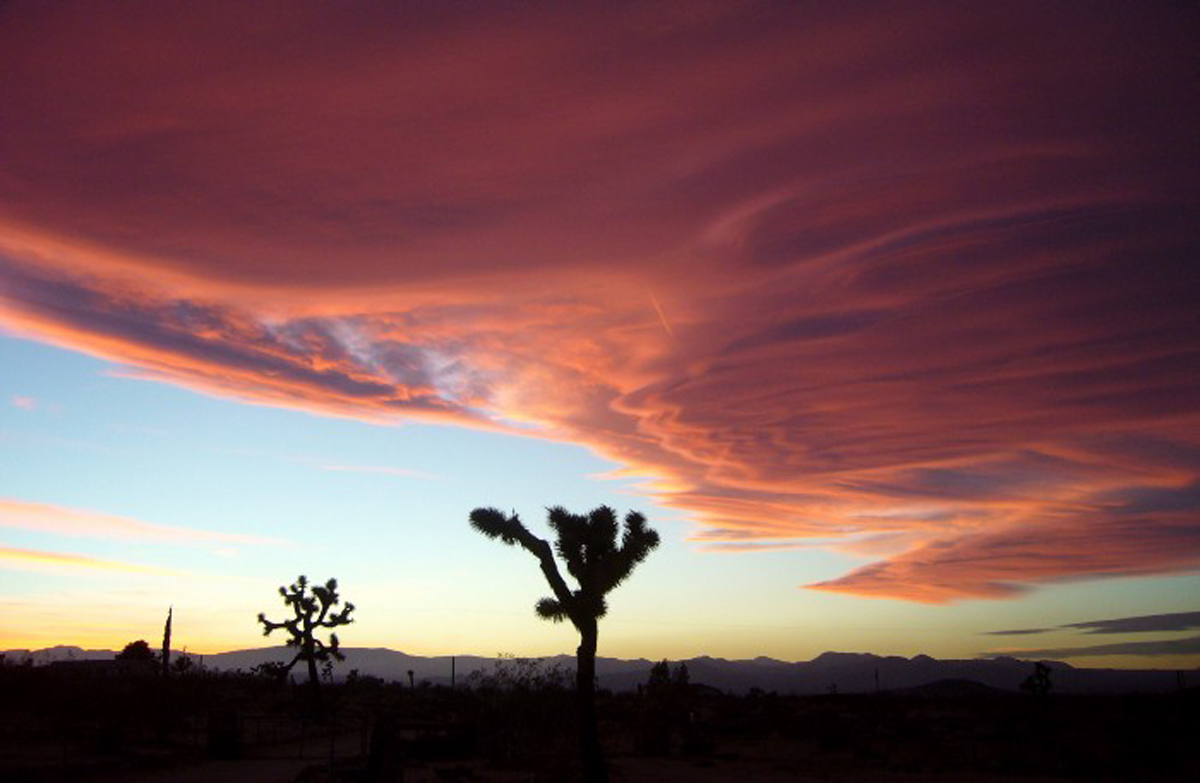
(314, 684)
(589, 547)
(594, 768)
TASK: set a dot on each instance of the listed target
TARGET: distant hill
(52, 654)
(830, 671)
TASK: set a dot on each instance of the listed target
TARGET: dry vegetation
(517, 725)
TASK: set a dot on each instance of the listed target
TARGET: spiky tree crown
(587, 545)
(313, 609)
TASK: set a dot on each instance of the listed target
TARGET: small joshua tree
(588, 546)
(313, 609)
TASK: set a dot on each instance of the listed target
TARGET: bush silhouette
(1038, 683)
(664, 708)
(588, 546)
(137, 651)
(183, 664)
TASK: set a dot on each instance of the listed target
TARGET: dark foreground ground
(517, 726)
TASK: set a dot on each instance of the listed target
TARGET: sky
(885, 315)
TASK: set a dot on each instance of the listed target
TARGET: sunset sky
(886, 316)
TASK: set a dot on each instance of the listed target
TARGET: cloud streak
(45, 518)
(1151, 623)
(383, 470)
(1176, 621)
(38, 560)
(1187, 646)
(914, 284)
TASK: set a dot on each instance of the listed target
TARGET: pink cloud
(1125, 532)
(46, 518)
(24, 402)
(909, 284)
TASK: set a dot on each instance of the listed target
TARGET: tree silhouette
(588, 546)
(663, 678)
(137, 659)
(166, 645)
(1038, 683)
(137, 651)
(313, 609)
(660, 676)
(183, 664)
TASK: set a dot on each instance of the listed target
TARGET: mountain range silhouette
(831, 671)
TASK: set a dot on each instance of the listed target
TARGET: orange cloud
(908, 284)
(1126, 533)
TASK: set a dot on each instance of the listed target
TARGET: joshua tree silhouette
(313, 609)
(588, 546)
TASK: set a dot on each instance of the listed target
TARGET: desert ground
(60, 727)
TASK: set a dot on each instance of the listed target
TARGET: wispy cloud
(933, 301)
(1090, 538)
(1175, 621)
(45, 518)
(38, 560)
(23, 402)
(382, 470)
(1188, 646)
(1149, 623)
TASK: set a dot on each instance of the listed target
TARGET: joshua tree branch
(494, 524)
